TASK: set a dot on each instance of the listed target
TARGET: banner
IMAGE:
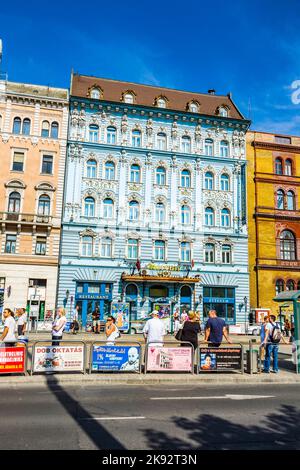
(120, 311)
(177, 359)
(12, 360)
(122, 358)
(58, 358)
(220, 359)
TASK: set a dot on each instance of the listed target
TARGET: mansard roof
(146, 95)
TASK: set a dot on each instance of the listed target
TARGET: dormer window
(193, 107)
(95, 93)
(161, 102)
(223, 111)
(128, 97)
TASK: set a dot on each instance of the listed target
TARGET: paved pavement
(151, 417)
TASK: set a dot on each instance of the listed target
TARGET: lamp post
(245, 304)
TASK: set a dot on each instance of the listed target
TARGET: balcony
(25, 219)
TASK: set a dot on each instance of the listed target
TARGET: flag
(192, 263)
(138, 265)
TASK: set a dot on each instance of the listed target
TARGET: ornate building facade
(155, 201)
(33, 138)
(274, 216)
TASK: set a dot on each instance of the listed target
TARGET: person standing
(96, 320)
(272, 339)
(58, 326)
(287, 327)
(262, 338)
(75, 324)
(190, 330)
(176, 321)
(8, 336)
(215, 329)
(22, 322)
(154, 330)
(111, 331)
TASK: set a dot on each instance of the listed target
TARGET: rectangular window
(47, 164)
(282, 140)
(93, 289)
(18, 161)
(10, 244)
(106, 248)
(40, 247)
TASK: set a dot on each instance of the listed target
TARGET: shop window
(158, 291)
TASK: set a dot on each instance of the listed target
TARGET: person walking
(75, 324)
(96, 320)
(176, 321)
(111, 331)
(272, 339)
(8, 337)
(58, 326)
(215, 329)
(22, 322)
(154, 330)
(190, 330)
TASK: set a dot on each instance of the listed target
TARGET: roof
(287, 295)
(37, 90)
(146, 95)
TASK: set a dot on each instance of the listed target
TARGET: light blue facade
(174, 172)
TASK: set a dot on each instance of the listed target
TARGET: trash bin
(252, 361)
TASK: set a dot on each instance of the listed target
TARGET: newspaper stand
(62, 344)
(213, 352)
(164, 344)
(117, 344)
(12, 371)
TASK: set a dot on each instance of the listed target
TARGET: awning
(287, 296)
(160, 279)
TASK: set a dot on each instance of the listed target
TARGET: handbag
(178, 334)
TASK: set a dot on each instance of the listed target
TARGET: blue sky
(251, 48)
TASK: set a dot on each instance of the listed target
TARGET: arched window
(108, 208)
(135, 174)
(186, 144)
(93, 133)
(290, 285)
(279, 286)
(160, 212)
(87, 246)
(193, 107)
(224, 148)
(209, 253)
(280, 199)
(131, 292)
(161, 175)
(95, 94)
(45, 129)
(14, 202)
(209, 147)
(288, 167)
(224, 182)
(161, 141)
(54, 130)
(26, 127)
(134, 210)
(106, 247)
(111, 135)
(226, 254)
(209, 180)
(209, 219)
(290, 201)
(278, 166)
(128, 98)
(109, 170)
(225, 218)
(161, 102)
(89, 207)
(185, 215)
(132, 248)
(186, 179)
(91, 169)
(44, 205)
(17, 126)
(159, 250)
(223, 112)
(136, 138)
(287, 245)
(185, 251)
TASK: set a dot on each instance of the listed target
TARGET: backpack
(276, 335)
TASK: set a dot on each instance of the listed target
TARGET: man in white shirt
(154, 330)
(22, 321)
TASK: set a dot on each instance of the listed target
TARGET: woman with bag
(111, 331)
(190, 330)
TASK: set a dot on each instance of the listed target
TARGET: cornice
(275, 146)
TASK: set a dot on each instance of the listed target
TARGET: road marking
(109, 418)
(223, 397)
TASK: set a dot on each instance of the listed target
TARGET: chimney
(211, 92)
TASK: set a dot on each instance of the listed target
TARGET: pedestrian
(262, 338)
(272, 339)
(287, 327)
(184, 316)
(58, 326)
(176, 321)
(75, 324)
(96, 320)
(154, 330)
(8, 337)
(22, 322)
(111, 331)
(215, 329)
(190, 330)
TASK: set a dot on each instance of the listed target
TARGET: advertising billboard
(175, 359)
(220, 359)
(12, 360)
(116, 358)
(120, 311)
(58, 358)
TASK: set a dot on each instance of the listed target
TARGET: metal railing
(25, 218)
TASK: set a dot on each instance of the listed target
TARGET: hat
(154, 312)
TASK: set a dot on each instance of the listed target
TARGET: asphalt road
(155, 417)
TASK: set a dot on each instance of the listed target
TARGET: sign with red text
(58, 358)
(12, 360)
(170, 359)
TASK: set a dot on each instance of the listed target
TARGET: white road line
(110, 418)
(223, 397)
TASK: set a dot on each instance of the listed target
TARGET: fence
(165, 359)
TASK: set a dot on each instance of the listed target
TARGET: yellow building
(273, 216)
(33, 134)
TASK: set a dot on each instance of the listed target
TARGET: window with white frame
(91, 169)
(160, 212)
(44, 205)
(209, 147)
(161, 102)
(108, 208)
(95, 94)
(10, 244)
(185, 251)
(186, 179)
(209, 253)
(132, 248)
(161, 176)
(45, 129)
(186, 144)
(93, 133)
(106, 247)
(161, 140)
(209, 180)
(224, 148)
(87, 246)
(225, 218)
(128, 98)
(224, 182)
(109, 171)
(209, 217)
(40, 245)
(159, 250)
(18, 161)
(14, 202)
(135, 174)
(185, 215)
(89, 207)
(134, 210)
(223, 112)
(111, 135)
(288, 250)
(226, 254)
(136, 138)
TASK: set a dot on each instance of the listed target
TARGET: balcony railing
(25, 218)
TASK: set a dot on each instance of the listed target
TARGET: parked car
(253, 330)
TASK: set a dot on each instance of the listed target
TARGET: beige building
(33, 135)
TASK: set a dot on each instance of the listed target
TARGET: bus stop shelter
(294, 297)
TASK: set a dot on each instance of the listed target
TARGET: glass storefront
(221, 299)
(90, 295)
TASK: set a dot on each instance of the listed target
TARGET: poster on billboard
(220, 359)
(12, 360)
(116, 358)
(166, 359)
(120, 311)
(58, 358)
